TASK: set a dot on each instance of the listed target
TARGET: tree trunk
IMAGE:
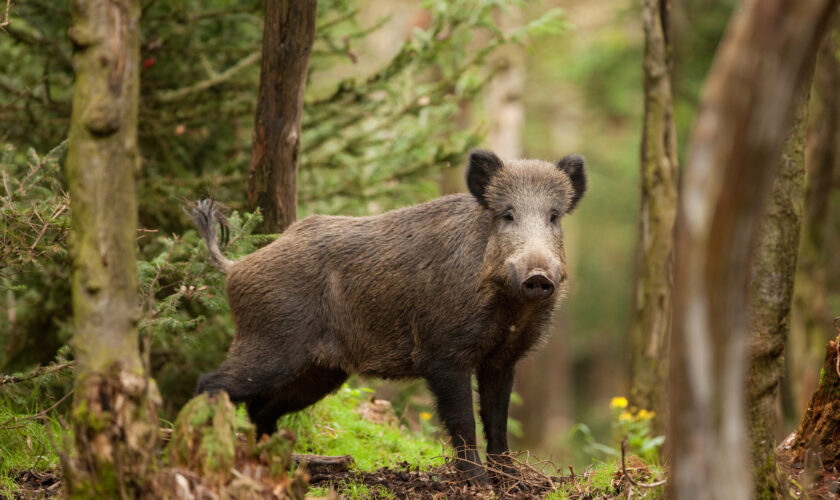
(113, 416)
(746, 110)
(771, 291)
(288, 35)
(810, 315)
(503, 96)
(651, 326)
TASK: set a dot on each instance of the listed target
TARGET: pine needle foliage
(34, 261)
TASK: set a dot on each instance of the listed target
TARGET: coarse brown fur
(459, 285)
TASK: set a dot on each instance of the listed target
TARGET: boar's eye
(508, 216)
(554, 216)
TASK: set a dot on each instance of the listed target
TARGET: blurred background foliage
(394, 99)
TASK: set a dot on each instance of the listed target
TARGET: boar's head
(525, 201)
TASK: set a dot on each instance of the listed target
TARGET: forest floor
(388, 460)
(443, 482)
(403, 481)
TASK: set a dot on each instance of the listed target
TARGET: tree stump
(812, 453)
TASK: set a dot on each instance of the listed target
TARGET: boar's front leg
(454, 404)
(494, 386)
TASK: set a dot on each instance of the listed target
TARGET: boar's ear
(482, 166)
(572, 165)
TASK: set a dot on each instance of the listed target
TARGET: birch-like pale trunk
(746, 111)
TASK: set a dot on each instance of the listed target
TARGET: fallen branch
(331, 463)
(624, 470)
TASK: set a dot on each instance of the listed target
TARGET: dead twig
(176, 94)
(38, 372)
(5, 22)
(58, 211)
(624, 470)
(39, 415)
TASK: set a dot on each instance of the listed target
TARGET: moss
(204, 437)
(104, 486)
(276, 451)
(94, 421)
(767, 480)
(334, 426)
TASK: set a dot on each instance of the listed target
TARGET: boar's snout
(537, 286)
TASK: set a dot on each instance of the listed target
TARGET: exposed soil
(438, 483)
(819, 481)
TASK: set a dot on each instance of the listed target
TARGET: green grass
(334, 427)
(353, 491)
(24, 445)
(596, 482)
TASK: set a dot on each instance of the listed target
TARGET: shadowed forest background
(397, 93)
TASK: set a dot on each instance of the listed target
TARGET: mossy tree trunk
(651, 326)
(746, 111)
(113, 416)
(810, 313)
(288, 35)
(771, 292)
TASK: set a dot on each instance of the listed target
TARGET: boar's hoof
(477, 477)
(537, 287)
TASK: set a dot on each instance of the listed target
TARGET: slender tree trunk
(651, 326)
(810, 315)
(771, 292)
(113, 418)
(272, 177)
(747, 108)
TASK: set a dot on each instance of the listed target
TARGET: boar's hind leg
(454, 403)
(289, 394)
(494, 387)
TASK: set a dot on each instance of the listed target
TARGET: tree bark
(288, 35)
(746, 110)
(771, 292)
(651, 325)
(810, 313)
(113, 412)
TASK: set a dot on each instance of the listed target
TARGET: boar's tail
(206, 216)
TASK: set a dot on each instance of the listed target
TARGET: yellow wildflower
(619, 402)
(644, 414)
(625, 416)
(425, 415)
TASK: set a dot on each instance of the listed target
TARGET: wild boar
(461, 285)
